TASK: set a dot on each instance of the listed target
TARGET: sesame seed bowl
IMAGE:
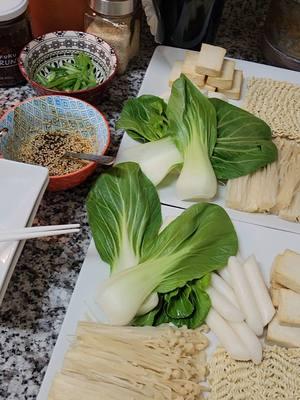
(42, 129)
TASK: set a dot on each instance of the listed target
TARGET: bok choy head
(124, 215)
(193, 128)
(197, 242)
(145, 121)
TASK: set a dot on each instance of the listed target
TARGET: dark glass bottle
(187, 23)
(15, 33)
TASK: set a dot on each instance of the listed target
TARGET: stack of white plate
(21, 189)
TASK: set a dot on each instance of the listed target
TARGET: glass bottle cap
(113, 7)
(10, 9)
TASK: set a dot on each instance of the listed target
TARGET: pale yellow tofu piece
(275, 296)
(189, 68)
(198, 80)
(277, 260)
(190, 62)
(225, 80)
(287, 271)
(289, 308)
(175, 72)
(209, 88)
(235, 92)
(283, 335)
(210, 60)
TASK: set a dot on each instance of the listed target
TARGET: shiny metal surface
(113, 7)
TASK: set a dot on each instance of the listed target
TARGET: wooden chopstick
(37, 231)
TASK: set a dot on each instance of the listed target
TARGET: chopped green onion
(77, 75)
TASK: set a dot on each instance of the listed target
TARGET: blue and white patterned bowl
(55, 48)
(52, 113)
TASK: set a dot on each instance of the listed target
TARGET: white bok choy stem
(151, 302)
(122, 295)
(156, 158)
(127, 257)
(148, 305)
(197, 179)
(193, 127)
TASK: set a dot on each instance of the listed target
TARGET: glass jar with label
(118, 23)
(15, 33)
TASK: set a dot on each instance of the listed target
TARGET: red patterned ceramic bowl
(55, 48)
(37, 115)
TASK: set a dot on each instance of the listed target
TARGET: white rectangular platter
(21, 189)
(156, 83)
(265, 243)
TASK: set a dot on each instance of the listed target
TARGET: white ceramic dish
(22, 187)
(265, 243)
(156, 83)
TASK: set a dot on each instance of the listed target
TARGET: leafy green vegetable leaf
(198, 298)
(204, 282)
(197, 242)
(147, 319)
(201, 303)
(168, 296)
(124, 215)
(144, 118)
(180, 306)
(191, 116)
(243, 144)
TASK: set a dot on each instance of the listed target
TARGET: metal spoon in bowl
(103, 160)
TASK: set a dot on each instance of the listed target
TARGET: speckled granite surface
(39, 292)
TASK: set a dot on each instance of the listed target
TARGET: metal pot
(281, 42)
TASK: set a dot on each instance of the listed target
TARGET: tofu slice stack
(284, 329)
(209, 70)
(234, 92)
(225, 79)
(189, 69)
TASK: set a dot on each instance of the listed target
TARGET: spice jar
(118, 23)
(15, 33)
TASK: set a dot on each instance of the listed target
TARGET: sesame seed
(48, 148)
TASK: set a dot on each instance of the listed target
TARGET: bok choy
(145, 121)
(120, 227)
(121, 214)
(209, 138)
(193, 128)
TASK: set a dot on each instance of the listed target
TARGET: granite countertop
(40, 289)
